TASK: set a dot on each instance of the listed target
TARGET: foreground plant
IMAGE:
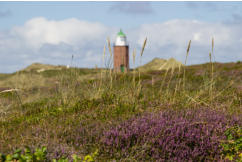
(232, 146)
(40, 155)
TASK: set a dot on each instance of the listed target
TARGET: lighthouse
(121, 53)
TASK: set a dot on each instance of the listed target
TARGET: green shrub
(40, 155)
(232, 146)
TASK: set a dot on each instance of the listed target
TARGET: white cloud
(170, 39)
(72, 31)
(51, 41)
(180, 31)
(54, 42)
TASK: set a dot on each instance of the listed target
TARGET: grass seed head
(188, 47)
(143, 48)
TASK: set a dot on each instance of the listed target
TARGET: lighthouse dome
(121, 39)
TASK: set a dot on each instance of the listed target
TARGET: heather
(193, 135)
(190, 113)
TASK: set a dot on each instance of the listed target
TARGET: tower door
(122, 68)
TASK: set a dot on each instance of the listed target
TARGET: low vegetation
(188, 113)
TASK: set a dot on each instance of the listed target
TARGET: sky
(53, 32)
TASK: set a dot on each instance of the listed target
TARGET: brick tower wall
(121, 57)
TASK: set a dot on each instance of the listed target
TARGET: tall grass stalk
(152, 85)
(101, 76)
(211, 82)
(212, 79)
(134, 54)
(111, 54)
(184, 74)
(172, 72)
(19, 98)
(141, 54)
(163, 80)
(177, 84)
(169, 82)
(72, 57)
(110, 64)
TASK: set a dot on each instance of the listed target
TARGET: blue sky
(51, 32)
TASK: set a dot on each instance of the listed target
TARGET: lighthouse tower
(121, 53)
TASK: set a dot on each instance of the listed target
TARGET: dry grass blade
(110, 62)
(162, 66)
(163, 80)
(212, 44)
(210, 57)
(211, 62)
(194, 100)
(9, 90)
(104, 51)
(15, 91)
(143, 48)
(109, 47)
(178, 83)
(134, 54)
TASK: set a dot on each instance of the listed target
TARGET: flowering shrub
(174, 136)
